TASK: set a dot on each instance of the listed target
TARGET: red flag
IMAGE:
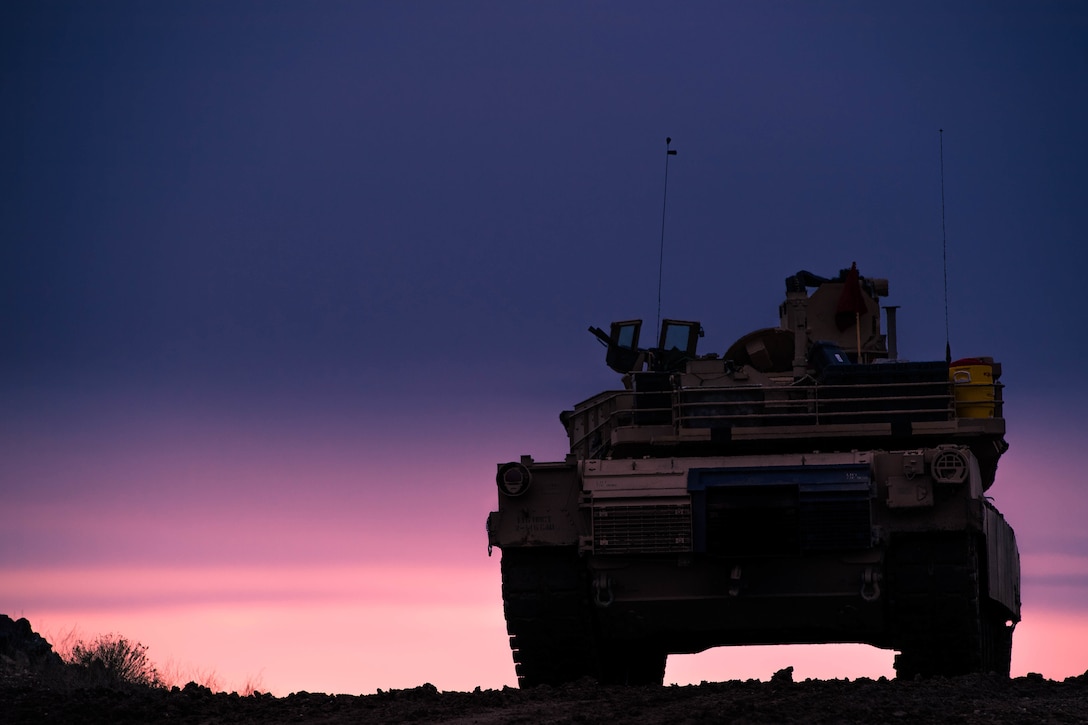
(851, 301)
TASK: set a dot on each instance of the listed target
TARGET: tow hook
(602, 590)
(870, 584)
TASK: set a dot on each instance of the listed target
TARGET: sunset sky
(281, 282)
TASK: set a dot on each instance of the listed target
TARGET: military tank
(804, 486)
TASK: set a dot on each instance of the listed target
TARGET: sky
(282, 282)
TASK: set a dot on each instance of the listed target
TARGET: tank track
(553, 635)
(543, 593)
(944, 624)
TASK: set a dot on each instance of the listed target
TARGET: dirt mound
(35, 691)
(972, 699)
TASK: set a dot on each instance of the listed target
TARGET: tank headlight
(513, 479)
(950, 466)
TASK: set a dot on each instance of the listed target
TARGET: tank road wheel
(943, 623)
(545, 598)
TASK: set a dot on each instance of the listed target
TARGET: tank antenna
(944, 257)
(661, 254)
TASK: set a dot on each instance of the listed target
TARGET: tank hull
(653, 557)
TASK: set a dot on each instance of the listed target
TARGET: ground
(36, 687)
(969, 700)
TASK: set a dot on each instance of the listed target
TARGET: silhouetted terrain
(36, 687)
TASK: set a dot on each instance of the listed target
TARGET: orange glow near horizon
(354, 630)
(333, 629)
(241, 566)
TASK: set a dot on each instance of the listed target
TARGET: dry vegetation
(36, 685)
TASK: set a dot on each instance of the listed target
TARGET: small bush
(116, 661)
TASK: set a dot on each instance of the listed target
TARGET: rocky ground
(35, 687)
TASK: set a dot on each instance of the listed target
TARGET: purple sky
(280, 283)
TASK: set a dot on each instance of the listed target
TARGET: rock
(783, 675)
(25, 647)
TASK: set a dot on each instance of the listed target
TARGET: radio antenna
(944, 256)
(661, 254)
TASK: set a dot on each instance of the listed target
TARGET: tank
(804, 485)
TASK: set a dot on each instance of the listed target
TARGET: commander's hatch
(676, 344)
